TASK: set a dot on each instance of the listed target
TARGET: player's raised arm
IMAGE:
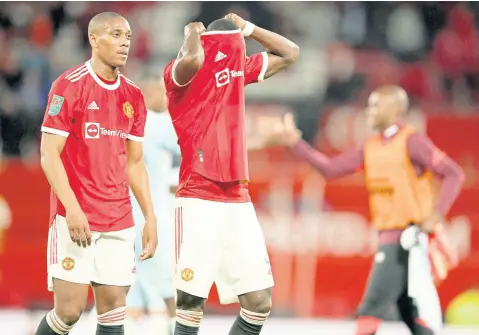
(281, 52)
(191, 55)
(55, 131)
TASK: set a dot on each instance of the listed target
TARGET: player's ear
(93, 40)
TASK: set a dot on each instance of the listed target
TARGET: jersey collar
(101, 82)
(221, 32)
(391, 130)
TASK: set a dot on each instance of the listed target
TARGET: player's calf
(255, 309)
(371, 312)
(189, 313)
(367, 325)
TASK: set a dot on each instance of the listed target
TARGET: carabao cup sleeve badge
(55, 105)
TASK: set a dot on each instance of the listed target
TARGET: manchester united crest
(128, 110)
(68, 263)
(187, 274)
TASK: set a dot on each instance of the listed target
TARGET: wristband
(248, 28)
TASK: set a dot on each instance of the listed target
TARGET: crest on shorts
(55, 105)
(187, 274)
(68, 263)
(128, 110)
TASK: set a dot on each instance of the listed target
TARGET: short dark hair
(222, 25)
(99, 20)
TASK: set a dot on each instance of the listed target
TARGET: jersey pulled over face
(209, 112)
(97, 118)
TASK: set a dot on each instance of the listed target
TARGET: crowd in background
(430, 48)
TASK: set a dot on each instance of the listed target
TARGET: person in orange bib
(399, 166)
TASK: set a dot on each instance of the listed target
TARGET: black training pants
(388, 284)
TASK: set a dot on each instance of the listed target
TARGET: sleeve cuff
(173, 75)
(135, 138)
(264, 68)
(54, 131)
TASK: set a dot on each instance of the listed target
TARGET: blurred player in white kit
(153, 291)
(153, 294)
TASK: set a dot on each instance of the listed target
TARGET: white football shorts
(222, 243)
(109, 260)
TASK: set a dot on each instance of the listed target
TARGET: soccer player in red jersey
(91, 153)
(219, 238)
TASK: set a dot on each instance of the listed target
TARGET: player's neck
(388, 125)
(157, 111)
(156, 108)
(103, 70)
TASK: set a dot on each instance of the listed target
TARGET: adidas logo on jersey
(93, 106)
(219, 56)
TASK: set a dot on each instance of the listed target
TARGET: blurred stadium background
(319, 235)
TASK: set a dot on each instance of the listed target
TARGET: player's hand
(240, 22)
(429, 225)
(78, 227)
(285, 133)
(194, 26)
(149, 239)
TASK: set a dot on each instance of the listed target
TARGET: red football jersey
(209, 112)
(97, 118)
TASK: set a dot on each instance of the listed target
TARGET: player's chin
(120, 60)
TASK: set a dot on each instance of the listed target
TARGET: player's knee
(188, 302)
(69, 314)
(70, 301)
(257, 302)
(110, 305)
(263, 306)
(108, 298)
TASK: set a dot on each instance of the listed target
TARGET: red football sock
(367, 325)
